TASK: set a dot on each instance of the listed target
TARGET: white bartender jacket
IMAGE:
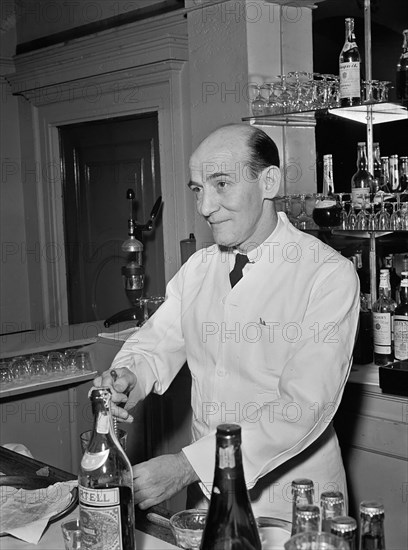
(272, 354)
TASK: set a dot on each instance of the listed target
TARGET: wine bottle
(362, 180)
(402, 70)
(302, 495)
(372, 526)
(395, 279)
(401, 322)
(230, 523)
(376, 167)
(385, 175)
(345, 527)
(383, 312)
(349, 68)
(106, 504)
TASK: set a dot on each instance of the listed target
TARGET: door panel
(100, 161)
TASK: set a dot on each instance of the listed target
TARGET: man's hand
(160, 478)
(121, 385)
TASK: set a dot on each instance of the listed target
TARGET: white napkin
(25, 513)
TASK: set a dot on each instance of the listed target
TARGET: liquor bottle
(371, 526)
(302, 495)
(106, 504)
(307, 518)
(383, 312)
(230, 523)
(404, 269)
(376, 167)
(395, 279)
(349, 68)
(394, 174)
(345, 527)
(403, 174)
(385, 175)
(402, 70)
(331, 505)
(362, 180)
(326, 212)
(401, 322)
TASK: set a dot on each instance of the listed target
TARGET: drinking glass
(362, 218)
(38, 364)
(272, 105)
(372, 219)
(352, 218)
(5, 374)
(343, 214)
(83, 361)
(20, 368)
(71, 533)
(258, 103)
(302, 219)
(383, 218)
(395, 218)
(55, 362)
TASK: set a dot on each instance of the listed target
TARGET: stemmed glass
(383, 218)
(303, 220)
(362, 219)
(372, 220)
(352, 218)
(343, 213)
(284, 97)
(395, 218)
(404, 217)
(287, 200)
(272, 105)
(258, 103)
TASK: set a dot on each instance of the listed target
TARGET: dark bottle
(403, 174)
(106, 505)
(385, 175)
(349, 69)
(302, 495)
(363, 347)
(345, 527)
(383, 313)
(230, 523)
(371, 526)
(361, 181)
(331, 505)
(376, 167)
(187, 247)
(395, 279)
(402, 71)
(401, 322)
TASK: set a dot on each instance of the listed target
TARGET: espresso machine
(133, 273)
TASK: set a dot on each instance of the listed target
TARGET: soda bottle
(302, 495)
(371, 526)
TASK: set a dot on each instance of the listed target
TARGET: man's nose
(207, 203)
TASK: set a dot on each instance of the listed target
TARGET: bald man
(271, 351)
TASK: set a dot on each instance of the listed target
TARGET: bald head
(258, 150)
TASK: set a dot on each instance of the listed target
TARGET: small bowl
(187, 527)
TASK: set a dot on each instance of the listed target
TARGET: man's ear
(271, 178)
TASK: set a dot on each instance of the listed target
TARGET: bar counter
(149, 536)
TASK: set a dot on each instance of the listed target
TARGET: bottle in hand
(383, 313)
(106, 504)
(230, 523)
(349, 68)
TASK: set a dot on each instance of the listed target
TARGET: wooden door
(100, 161)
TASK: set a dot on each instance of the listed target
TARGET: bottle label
(102, 425)
(382, 324)
(349, 79)
(357, 195)
(99, 512)
(401, 337)
(227, 457)
(93, 461)
(348, 46)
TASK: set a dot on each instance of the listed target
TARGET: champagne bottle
(349, 68)
(402, 70)
(106, 505)
(362, 180)
(230, 523)
(383, 312)
(401, 322)
(371, 526)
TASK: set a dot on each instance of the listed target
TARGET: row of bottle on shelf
(383, 330)
(330, 517)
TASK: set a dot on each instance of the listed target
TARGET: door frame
(60, 97)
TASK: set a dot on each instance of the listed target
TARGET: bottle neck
(404, 292)
(405, 42)
(350, 36)
(229, 471)
(361, 159)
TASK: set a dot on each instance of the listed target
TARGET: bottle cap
(302, 483)
(332, 497)
(343, 524)
(228, 430)
(308, 511)
(371, 508)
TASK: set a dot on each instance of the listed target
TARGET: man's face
(228, 197)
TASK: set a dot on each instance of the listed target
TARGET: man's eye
(221, 184)
(195, 189)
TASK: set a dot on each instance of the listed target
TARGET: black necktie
(236, 274)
